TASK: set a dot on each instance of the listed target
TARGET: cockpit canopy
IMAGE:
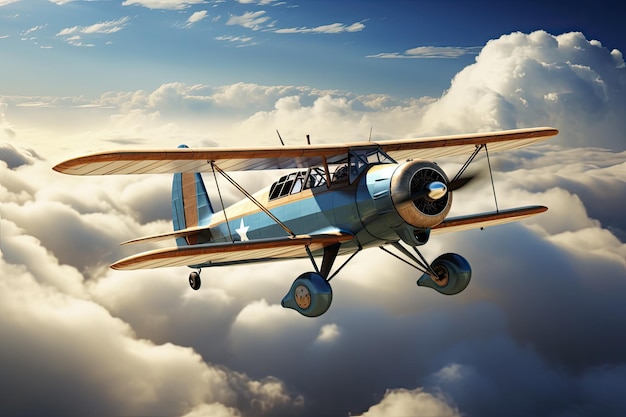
(346, 168)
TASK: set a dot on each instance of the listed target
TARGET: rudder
(191, 206)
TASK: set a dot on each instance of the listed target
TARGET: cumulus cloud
(520, 79)
(538, 327)
(404, 402)
(71, 337)
(15, 158)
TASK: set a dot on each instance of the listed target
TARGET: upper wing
(231, 252)
(475, 221)
(288, 157)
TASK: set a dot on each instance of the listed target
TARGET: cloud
(331, 28)
(250, 20)
(33, 29)
(520, 79)
(163, 4)
(107, 27)
(74, 343)
(83, 337)
(430, 52)
(15, 158)
(259, 2)
(196, 17)
(241, 39)
(73, 35)
(403, 402)
(328, 333)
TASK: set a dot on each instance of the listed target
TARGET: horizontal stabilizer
(476, 221)
(166, 236)
(227, 253)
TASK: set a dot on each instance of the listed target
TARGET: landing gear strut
(448, 274)
(194, 280)
(311, 293)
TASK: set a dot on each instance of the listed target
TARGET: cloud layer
(535, 333)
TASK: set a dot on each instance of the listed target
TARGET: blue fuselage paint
(363, 208)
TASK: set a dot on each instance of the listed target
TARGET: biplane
(333, 200)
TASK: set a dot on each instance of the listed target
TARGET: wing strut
(219, 193)
(493, 186)
(467, 164)
(251, 198)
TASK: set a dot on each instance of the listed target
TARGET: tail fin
(191, 206)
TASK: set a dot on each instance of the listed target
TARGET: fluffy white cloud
(404, 402)
(564, 81)
(144, 343)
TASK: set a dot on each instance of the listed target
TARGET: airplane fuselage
(363, 208)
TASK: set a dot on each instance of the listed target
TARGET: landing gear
(449, 274)
(310, 295)
(194, 280)
(453, 274)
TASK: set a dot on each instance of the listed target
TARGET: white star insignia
(242, 231)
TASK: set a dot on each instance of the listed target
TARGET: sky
(537, 332)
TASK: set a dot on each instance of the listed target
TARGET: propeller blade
(460, 183)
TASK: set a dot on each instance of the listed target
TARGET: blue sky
(536, 333)
(81, 47)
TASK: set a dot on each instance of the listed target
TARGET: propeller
(436, 190)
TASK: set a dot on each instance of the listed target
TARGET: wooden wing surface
(231, 252)
(476, 221)
(291, 157)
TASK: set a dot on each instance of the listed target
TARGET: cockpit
(346, 168)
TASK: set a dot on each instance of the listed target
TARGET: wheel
(194, 280)
(310, 295)
(453, 274)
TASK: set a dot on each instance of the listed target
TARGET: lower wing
(231, 252)
(475, 221)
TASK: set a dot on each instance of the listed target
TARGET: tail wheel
(194, 280)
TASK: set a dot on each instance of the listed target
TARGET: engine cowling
(411, 179)
(402, 201)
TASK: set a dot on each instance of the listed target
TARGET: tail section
(191, 206)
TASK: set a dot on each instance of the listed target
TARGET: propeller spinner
(436, 190)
